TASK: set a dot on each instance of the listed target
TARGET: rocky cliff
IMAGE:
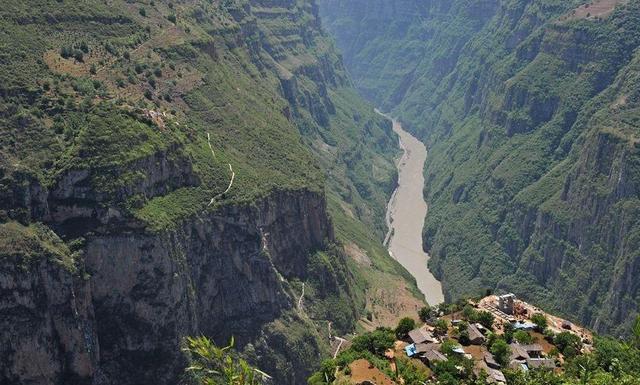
(526, 108)
(165, 170)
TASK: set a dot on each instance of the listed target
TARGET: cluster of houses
(424, 345)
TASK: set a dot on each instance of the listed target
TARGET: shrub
(501, 350)
(469, 313)
(508, 332)
(486, 319)
(148, 94)
(636, 333)
(441, 327)
(549, 335)
(568, 344)
(65, 52)
(172, 18)
(424, 313)
(376, 342)
(213, 365)
(404, 327)
(142, 12)
(540, 320)
(523, 337)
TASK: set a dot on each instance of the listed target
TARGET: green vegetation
(609, 361)
(376, 342)
(528, 141)
(540, 320)
(484, 318)
(405, 325)
(131, 118)
(568, 344)
(211, 365)
(500, 350)
(27, 246)
(523, 337)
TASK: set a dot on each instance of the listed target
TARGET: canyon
(527, 112)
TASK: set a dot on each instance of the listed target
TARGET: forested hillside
(182, 168)
(530, 109)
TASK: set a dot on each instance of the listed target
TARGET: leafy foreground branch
(211, 365)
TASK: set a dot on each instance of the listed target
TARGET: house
(517, 365)
(432, 356)
(490, 361)
(421, 335)
(481, 328)
(506, 303)
(547, 363)
(495, 376)
(475, 337)
(425, 347)
(518, 353)
(533, 350)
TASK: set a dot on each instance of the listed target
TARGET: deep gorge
(527, 110)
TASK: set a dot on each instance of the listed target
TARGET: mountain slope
(528, 110)
(171, 169)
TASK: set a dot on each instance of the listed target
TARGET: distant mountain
(530, 111)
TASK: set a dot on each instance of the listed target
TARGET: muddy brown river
(406, 213)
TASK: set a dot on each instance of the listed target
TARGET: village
(485, 337)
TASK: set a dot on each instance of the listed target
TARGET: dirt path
(335, 354)
(233, 175)
(301, 298)
(406, 213)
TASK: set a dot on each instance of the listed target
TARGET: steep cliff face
(532, 135)
(165, 170)
(122, 321)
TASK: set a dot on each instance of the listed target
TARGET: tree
(569, 344)
(501, 350)
(523, 337)
(441, 327)
(325, 375)
(405, 325)
(425, 313)
(485, 319)
(376, 342)
(469, 313)
(636, 333)
(540, 320)
(463, 337)
(212, 365)
(508, 332)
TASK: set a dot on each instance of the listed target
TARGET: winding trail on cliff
(406, 213)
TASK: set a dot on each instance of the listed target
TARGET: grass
(26, 246)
